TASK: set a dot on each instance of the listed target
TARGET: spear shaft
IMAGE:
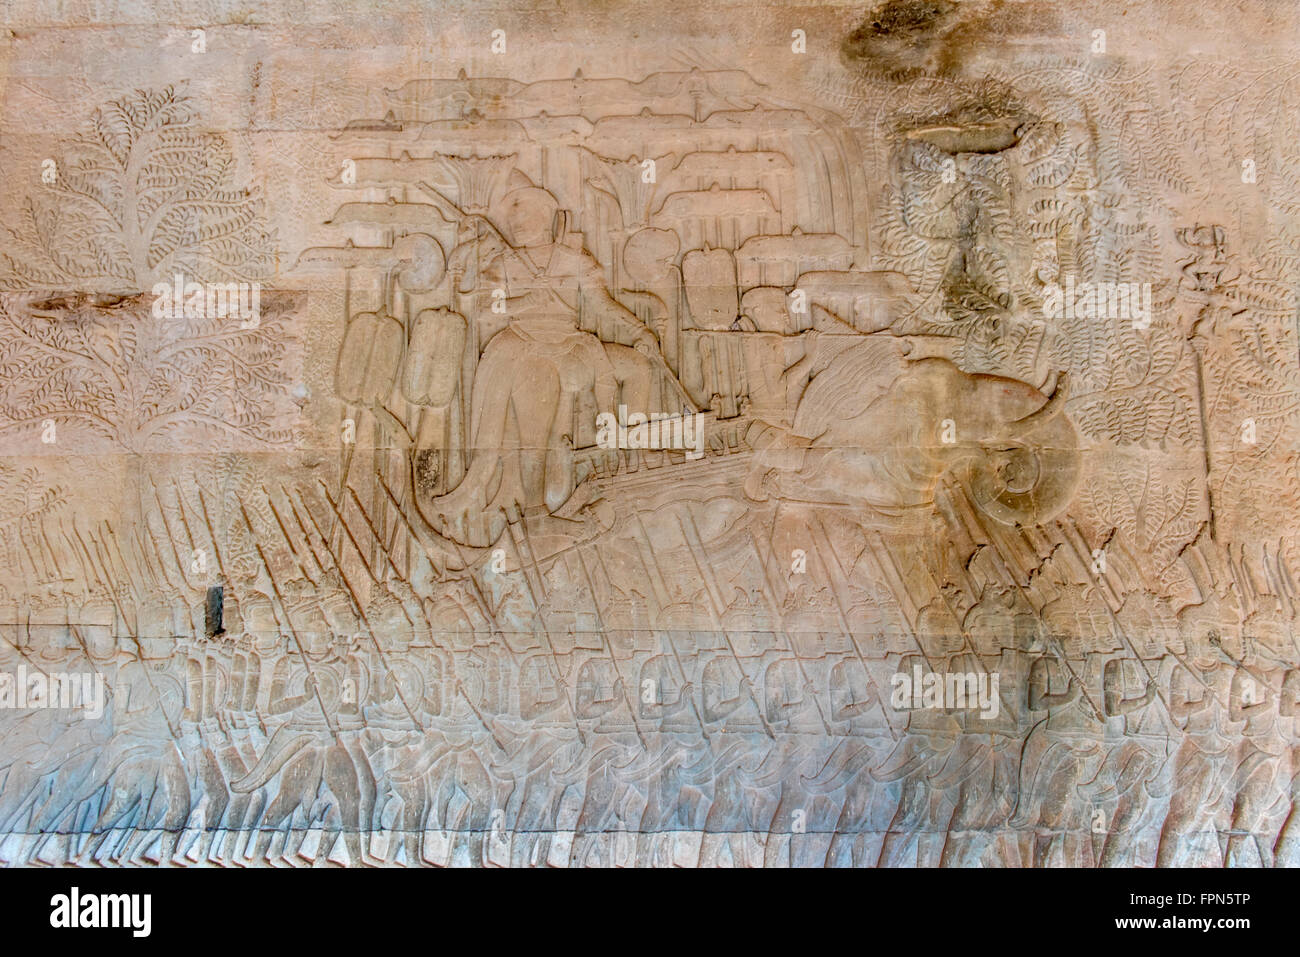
(279, 599)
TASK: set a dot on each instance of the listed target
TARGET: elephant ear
(855, 378)
(1037, 486)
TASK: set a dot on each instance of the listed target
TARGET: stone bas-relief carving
(881, 454)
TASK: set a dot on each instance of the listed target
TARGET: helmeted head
(529, 216)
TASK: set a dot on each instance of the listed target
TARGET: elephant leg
(142, 818)
(236, 818)
(296, 837)
(310, 812)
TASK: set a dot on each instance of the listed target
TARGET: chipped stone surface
(649, 434)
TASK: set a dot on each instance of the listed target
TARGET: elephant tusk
(1047, 411)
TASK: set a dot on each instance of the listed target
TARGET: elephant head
(878, 432)
(1030, 476)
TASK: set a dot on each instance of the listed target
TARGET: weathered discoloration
(945, 37)
(901, 34)
(991, 136)
(982, 323)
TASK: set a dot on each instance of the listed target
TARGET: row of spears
(313, 717)
(189, 767)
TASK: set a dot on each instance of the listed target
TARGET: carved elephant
(878, 432)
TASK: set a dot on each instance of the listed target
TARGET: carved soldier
(543, 693)
(1261, 755)
(790, 705)
(1131, 727)
(728, 695)
(1286, 851)
(853, 697)
(1062, 738)
(663, 697)
(599, 691)
(1199, 686)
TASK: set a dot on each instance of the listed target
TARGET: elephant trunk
(1044, 413)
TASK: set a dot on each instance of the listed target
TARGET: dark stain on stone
(897, 34)
(904, 38)
(213, 608)
(991, 136)
(905, 19)
(70, 302)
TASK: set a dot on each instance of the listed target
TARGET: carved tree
(138, 196)
(124, 375)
